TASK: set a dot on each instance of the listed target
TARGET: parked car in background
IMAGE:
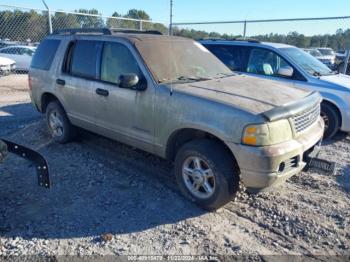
(171, 97)
(22, 55)
(340, 55)
(6, 43)
(7, 66)
(314, 52)
(288, 64)
(328, 56)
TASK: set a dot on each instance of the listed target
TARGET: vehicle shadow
(340, 136)
(98, 186)
(18, 113)
(344, 180)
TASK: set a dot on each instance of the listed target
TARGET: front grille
(304, 120)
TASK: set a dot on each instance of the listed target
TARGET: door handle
(60, 82)
(102, 92)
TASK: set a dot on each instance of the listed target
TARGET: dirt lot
(101, 187)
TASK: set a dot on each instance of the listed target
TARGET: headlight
(267, 134)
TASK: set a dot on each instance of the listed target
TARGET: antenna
(171, 18)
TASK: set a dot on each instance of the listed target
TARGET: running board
(40, 162)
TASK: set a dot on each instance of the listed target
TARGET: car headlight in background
(267, 134)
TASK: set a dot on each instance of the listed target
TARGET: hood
(339, 79)
(326, 57)
(254, 95)
(6, 61)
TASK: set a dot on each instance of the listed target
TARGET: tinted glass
(265, 62)
(234, 57)
(84, 58)
(116, 61)
(45, 54)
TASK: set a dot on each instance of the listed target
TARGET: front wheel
(207, 174)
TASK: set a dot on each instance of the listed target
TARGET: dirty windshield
(180, 60)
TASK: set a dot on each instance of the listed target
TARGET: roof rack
(102, 31)
(246, 39)
(251, 40)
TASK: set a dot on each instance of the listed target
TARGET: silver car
(171, 97)
(290, 65)
(22, 55)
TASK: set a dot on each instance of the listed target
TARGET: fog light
(282, 167)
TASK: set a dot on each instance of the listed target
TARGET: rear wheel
(331, 119)
(58, 123)
(206, 173)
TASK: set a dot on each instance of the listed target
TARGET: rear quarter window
(45, 54)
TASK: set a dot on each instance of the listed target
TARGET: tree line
(31, 25)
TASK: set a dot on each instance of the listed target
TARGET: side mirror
(131, 81)
(286, 71)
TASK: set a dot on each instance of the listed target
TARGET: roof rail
(74, 31)
(212, 39)
(246, 39)
(134, 31)
(251, 40)
(102, 31)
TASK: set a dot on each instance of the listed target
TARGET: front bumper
(264, 167)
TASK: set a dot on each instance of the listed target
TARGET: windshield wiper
(193, 78)
(316, 73)
(223, 75)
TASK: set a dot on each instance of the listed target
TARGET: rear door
(75, 80)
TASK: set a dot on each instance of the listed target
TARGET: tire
(223, 178)
(60, 128)
(332, 120)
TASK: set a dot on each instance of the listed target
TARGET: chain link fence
(332, 32)
(22, 29)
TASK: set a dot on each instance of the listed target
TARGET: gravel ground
(108, 198)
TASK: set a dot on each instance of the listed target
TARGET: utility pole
(49, 15)
(171, 18)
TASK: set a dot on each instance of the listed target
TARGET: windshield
(180, 60)
(315, 53)
(306, 61)
(326, 52)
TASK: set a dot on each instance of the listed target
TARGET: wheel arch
(46, 98)
(333, 105)
(182, 136)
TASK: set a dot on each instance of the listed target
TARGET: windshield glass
(326, 52)
(309, 63)
(180, 60)
(315, 53)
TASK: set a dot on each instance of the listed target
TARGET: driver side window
(117, 60)
(265, 62)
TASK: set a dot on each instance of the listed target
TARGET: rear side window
(84, 57)
(234, 57)
(45, 54)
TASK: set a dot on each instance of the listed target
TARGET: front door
(124, 114)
